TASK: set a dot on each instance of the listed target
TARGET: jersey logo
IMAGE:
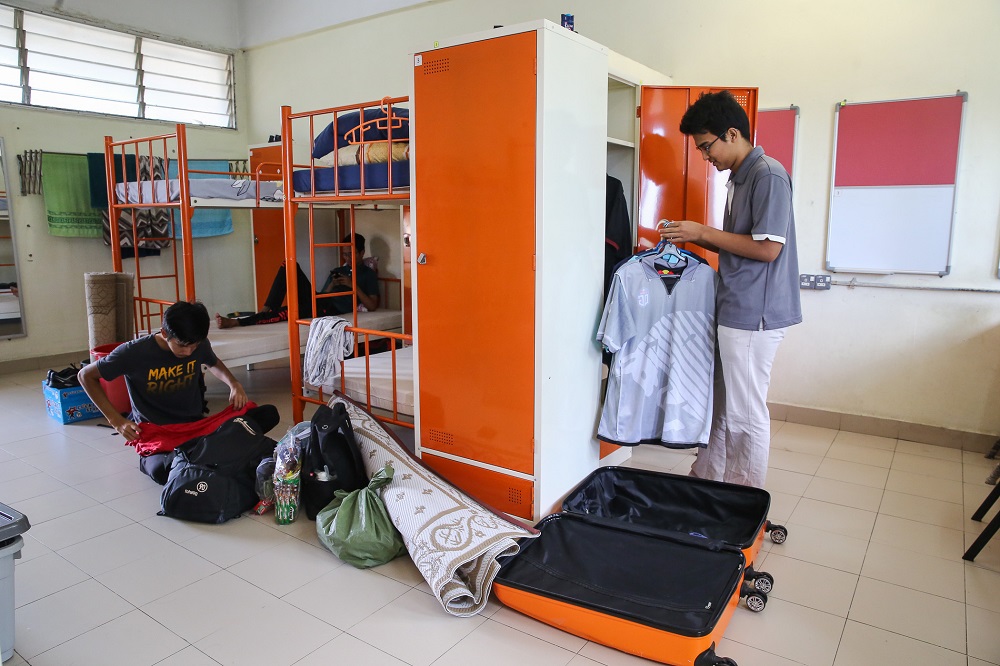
(643, 297)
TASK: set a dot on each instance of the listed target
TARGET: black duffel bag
(331, 460)
(212, 478)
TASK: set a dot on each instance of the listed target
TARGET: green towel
(66, 185)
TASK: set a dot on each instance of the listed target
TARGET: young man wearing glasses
(758, 293)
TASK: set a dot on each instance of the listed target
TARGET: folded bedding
(368, 153)
(349, 177)
(207, 188)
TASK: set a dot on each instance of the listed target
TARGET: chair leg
(990, 530)
(994, 476)
(995, 450)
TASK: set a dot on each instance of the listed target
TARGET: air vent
(438, 66)
(515, 496)
(442, 437)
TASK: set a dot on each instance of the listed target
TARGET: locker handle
(421, 258)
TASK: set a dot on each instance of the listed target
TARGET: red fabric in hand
(161, 438)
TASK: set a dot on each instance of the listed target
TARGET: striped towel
(327, 346)
(66, 185)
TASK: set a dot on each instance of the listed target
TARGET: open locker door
(675, 181)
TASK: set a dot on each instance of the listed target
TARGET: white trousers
(741, 424)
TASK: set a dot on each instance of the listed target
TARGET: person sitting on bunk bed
(163, 375)
(339, 281)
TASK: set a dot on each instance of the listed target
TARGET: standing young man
(758, 294)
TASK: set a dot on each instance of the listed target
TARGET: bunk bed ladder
(116, 153)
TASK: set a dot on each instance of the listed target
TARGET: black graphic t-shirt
(164, 388)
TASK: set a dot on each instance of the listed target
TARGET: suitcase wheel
(709, 658)
(756, 601)
(763, 582)
(778, 532)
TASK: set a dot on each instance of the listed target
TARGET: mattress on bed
(244, 342)
(376, 177)
(251, 344)
(381, 380)
(206, 188)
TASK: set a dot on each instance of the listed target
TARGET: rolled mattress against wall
(109, 307)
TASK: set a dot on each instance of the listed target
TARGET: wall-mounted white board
(892, 201)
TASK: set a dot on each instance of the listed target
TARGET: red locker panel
(475, 125)
(268, 224)
(675, 182)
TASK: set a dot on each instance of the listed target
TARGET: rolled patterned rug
(109, 307)
(454, 540)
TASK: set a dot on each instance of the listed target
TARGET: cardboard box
(69, 405)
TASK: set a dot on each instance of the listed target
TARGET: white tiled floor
(871, 572)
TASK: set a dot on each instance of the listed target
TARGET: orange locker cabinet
(268, 223)
(512, 133)
(508, 142)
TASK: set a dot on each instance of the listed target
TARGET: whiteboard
(891, 229)
(892, 201)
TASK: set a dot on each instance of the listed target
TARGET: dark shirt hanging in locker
(617, 230)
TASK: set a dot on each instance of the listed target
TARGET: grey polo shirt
(755, 293)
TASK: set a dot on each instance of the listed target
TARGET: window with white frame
(56, 63)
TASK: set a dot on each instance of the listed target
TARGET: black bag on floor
(212, 478)
(331, 460)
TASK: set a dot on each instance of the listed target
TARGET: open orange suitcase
(733, 514)
(649, 563)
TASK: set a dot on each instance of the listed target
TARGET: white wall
(916, 356)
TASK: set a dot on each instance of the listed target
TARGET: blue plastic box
(69, 405)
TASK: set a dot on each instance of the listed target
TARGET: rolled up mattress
(109, 307)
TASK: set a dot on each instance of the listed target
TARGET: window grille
(57, 63)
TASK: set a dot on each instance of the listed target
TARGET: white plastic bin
(8, 553)
(12, 525)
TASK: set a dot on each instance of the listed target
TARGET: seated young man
(163, 375)
(340, 281)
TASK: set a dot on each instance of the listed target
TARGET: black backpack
(331, 460)
(212, 478)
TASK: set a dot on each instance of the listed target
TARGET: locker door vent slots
(442, 437)
(515, 496)
(437, 66)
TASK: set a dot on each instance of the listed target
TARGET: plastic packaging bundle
(287, 470)
(356, 525)
(265, 486)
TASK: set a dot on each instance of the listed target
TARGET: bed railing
(364, 335)
(311, 125)
(159, 153)
(385, 120)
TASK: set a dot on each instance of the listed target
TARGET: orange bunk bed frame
(348, 201)
(147, 309)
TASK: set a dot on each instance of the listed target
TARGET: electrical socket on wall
(807, 281)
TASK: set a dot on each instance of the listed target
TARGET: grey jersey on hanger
(660, 383)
